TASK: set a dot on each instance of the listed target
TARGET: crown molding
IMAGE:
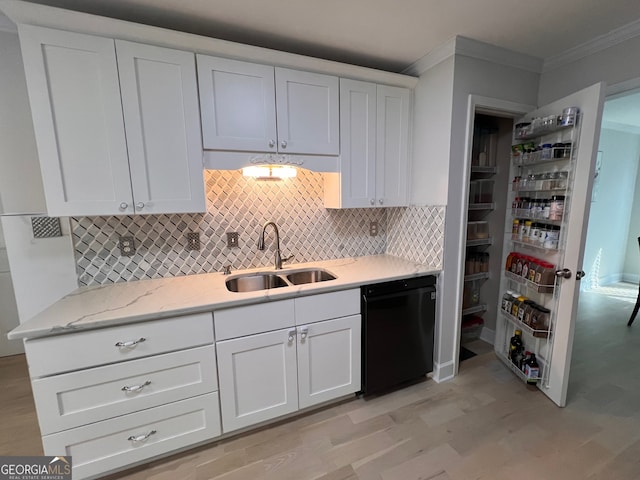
(621, 127)
(595, 45)
(492, 53)
(431, 59)
(469, 47)
(6, 25)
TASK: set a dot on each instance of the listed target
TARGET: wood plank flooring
(484, 424)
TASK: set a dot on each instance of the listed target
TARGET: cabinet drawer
(75, 351)
(78, 398)
(111, 444)
(325, 306)
(251, 319)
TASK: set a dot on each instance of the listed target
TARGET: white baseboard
(610, 279)
(443, 371)
(488, 335)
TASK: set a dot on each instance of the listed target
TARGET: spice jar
(552, 237)
(515, 229)
(556, 207)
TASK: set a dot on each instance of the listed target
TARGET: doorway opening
(611, 263)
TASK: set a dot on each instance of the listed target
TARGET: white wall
(431, 135)
(608, 231)
(613, 65)
(631, 269)
(487, 79)
(20, 179)
(43, 270)
(8, 308)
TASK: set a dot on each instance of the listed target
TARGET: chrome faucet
(278, 256)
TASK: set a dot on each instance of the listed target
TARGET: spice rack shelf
(528, 283)
(524, 327)
(475, 309)
(537, 218)
(534, 246)
(485, 170)
(541, 132)
(519, 373)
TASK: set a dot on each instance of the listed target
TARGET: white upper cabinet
(248, 107)
(374, 137)
(308, 118)
(74, 94)
(82, 108)
(392, 141)
(161, 117)
(237, 105)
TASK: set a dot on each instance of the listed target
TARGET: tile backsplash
(238, 204)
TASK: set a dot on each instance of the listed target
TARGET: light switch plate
(193, 241)
(127, 246)
(232, 239)
(373, 228)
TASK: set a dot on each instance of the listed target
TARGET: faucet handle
(286, 259)
(226, 270)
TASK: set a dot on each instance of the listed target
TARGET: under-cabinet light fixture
(269, 172)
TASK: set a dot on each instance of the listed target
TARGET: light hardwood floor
(484, 424)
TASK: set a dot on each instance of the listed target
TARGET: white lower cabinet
(328, 360)
(265, 375)
(100, 447)
(257, 378)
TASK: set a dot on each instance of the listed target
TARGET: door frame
(489, 105)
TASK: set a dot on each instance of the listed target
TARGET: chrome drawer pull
(131, 343)
(141, 438)
(136, 388)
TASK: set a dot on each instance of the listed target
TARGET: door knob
(564, 273)
(580, 274)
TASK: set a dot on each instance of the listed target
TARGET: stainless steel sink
(255, 282)
(311, 275)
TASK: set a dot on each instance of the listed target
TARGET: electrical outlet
(373, 228)
(193, 240)
(127, 246)
(232, 239)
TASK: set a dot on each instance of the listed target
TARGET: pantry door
(576, 216)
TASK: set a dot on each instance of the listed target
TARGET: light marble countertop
(121, 303)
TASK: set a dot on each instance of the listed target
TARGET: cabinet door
(74, 93)
(357, 177)
(162, 121)
(392, 142)
(329, 360)
(307, 110)
(237, 104)
(257, 377)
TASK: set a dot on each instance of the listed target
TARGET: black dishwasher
(398, 320)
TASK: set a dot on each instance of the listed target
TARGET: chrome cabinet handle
(283, 144)
(580, 274)
(140, 205)
(304, 332)
(292, 334)
(141, 438)
(272, 143)
(131, 343)
(124, 206)
(564, 273)
(381, 201)
(372, 201)
(136, 388)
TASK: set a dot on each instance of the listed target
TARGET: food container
(477, 230)
(471, 328)
(569, 116)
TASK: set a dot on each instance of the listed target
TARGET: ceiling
(383, 34)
